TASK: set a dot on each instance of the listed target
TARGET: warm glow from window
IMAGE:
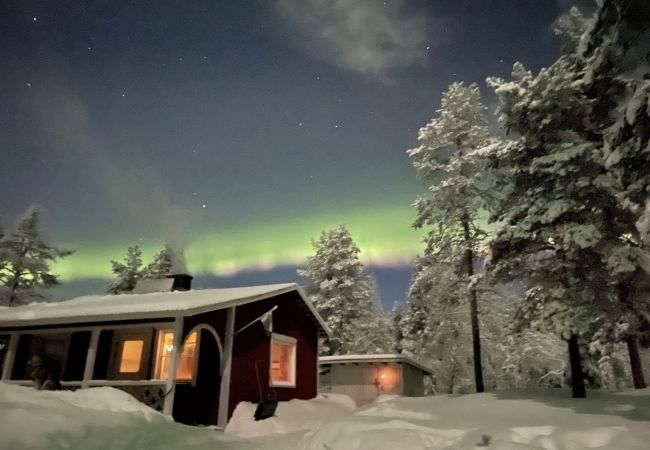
(283, 361)
(131, 356)
(164, 356)
(186, 363)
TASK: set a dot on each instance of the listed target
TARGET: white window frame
(286, 340)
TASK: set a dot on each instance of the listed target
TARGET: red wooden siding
(253, 346)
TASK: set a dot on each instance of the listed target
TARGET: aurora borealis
(237, 130)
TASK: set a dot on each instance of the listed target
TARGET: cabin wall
(413, 381)
(363, 382)
(252, 347)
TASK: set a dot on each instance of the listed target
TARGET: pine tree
(127, 273)
(435, 325)
(344, 295)
(566, 223)
(615, 54)
(25, 261)
(162, 265)
(446, 160)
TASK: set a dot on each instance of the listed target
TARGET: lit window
(186, 364)
(283, 361)
(131, 356)
(164, 356)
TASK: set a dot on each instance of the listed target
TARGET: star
(29, 84)
(428, 47)
(34, 18)
(300, 124)
(204, 206)
(336, 126)
(123, 94)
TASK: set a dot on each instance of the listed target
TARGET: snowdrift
(95, 419)
(509, 420)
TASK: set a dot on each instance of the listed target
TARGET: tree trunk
(577, 380)
(473, 307)
(632, 346)
(635, 362)
(12, 295)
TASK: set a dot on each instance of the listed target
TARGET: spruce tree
(25, 259)
(162, 265)
(344, 295)
(566, 222)
(128, 273)
(446, 161)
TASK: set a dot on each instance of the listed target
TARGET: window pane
(164, 354)
(186, 363)
(282, 362)
(131, 356)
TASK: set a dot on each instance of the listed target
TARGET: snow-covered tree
(344, 295)
(446, 161)
(162, 265)
(435, 325)
(25, 259)
(436, 332)
(128, 273)
(565, 223)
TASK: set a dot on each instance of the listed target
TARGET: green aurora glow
(383, 234)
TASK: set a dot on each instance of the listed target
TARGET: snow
(95, 308)
(294, 415)
(106, 418)
(378, 358)
(95, 419)
(505, 420)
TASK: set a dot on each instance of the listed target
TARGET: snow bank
(508, 420)
(290, 417)
(94, 419)
(505, 421)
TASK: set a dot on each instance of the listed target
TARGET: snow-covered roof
(380, 358)
(103, 308)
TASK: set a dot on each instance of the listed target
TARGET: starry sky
(238, 130)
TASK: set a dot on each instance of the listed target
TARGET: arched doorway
(196, 401)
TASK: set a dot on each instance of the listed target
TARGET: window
(131, 356)
(186, 361)
(283, 361)
(131, 350)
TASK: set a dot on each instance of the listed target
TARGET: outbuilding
(364, 377)
(226, 345)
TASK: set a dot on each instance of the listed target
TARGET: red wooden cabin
(132, 341)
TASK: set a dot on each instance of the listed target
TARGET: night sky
(238, 130)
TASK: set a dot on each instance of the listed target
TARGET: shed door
(131, 351)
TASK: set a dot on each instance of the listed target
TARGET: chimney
(182, 281)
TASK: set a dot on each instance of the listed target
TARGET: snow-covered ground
(95, 419)
(105, 418)
(508, 420)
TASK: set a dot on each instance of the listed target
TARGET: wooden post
(90, 357)
(10, 356)
(226, 366)
(168, 407)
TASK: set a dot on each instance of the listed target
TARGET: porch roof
(154, 305)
